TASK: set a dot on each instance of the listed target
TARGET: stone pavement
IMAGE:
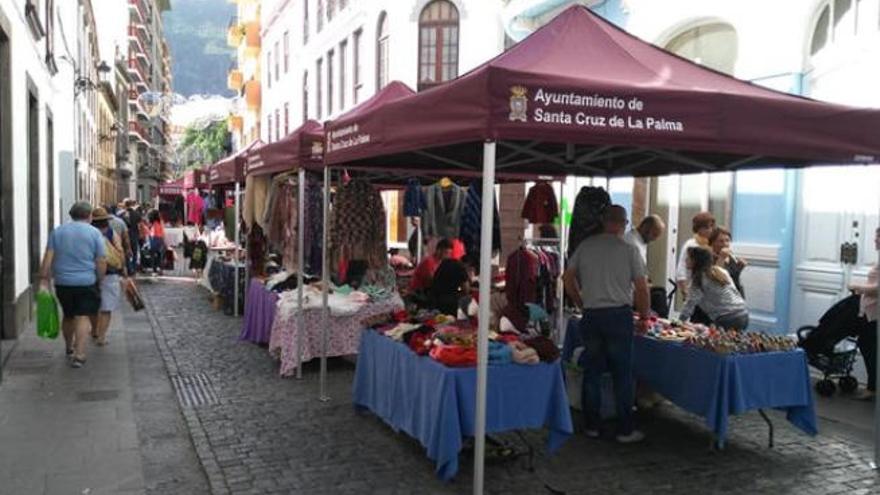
(265, 434)
(112, 427)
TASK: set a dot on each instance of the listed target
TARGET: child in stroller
(831, 347)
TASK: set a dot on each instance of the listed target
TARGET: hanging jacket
(540, 205)
(521, 286)
(414, 202)
(586, 219)
(442, 217)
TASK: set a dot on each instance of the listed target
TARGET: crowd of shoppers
(88, 262)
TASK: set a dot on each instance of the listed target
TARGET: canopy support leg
(325, 287)
(876, 402)
(560, 287)
(237, 247)
(488, 209)
(300, 266)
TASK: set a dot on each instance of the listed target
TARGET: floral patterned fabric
(344, 333)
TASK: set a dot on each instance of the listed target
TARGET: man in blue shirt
(75, 258)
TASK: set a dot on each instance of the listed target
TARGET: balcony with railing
(252, 38)
(235, 79)
(234, 32)
(135, 37)
(136, 7)
(138, 72)
(137, 131)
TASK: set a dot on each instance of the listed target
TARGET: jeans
(739, 321)
(608, 336)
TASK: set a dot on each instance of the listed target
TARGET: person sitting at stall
(713, 290)
(397, 260)
(720, 241)
(424, 274)
(450, 288)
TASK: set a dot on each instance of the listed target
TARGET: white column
(237, 244)
(325, 290)
(483, 332)
(300, 266)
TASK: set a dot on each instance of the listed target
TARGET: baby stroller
(831, 348)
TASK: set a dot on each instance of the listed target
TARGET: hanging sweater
(358, 226)
(443, 212)
(471, 223)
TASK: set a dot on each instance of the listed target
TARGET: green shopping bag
(47, 315)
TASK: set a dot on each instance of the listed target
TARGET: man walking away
(605, 274)
(75, 258)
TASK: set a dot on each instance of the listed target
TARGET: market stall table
(259, 313)
(715, 386)
(435, 404)
(222, 279)
(343, 339)
(213, 254)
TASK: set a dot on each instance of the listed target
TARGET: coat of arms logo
(317, 148)
(519, 104)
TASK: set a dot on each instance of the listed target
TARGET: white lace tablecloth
(344, 333)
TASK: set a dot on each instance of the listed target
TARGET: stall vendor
(451, 287)
(424, 274)
(712, 288)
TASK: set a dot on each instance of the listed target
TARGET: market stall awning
(194, 178)
(581, 96)
(230, 170)
(304, 147)
(172, 188)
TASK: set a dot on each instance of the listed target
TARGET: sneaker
(77, 363)
(634, 437)
(590, 433)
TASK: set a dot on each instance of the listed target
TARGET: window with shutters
(438, 43)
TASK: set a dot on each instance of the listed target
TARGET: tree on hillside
(204, 145)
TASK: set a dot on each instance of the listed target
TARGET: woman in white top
(703, 224)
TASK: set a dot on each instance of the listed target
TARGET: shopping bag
(133, 295)
(47, 315)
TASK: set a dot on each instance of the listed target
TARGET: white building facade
(34, 126)
(790, 225)
(323, 57)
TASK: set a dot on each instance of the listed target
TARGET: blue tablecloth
(715, 386)
(435, 404)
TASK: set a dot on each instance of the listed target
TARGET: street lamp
(82, 83)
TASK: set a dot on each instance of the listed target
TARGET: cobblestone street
(273, 435)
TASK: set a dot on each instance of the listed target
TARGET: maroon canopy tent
(581, 96)
(304, 147)
(230, 170)
(171, 188)
(194, 179)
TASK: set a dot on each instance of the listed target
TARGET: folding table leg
(769, 427)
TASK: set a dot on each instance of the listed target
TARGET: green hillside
(196, 32)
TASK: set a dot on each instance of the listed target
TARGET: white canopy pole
(325, 287)
(485, 291)
(237, 247)
(300, 266)
(876, 402)
(560, 289)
